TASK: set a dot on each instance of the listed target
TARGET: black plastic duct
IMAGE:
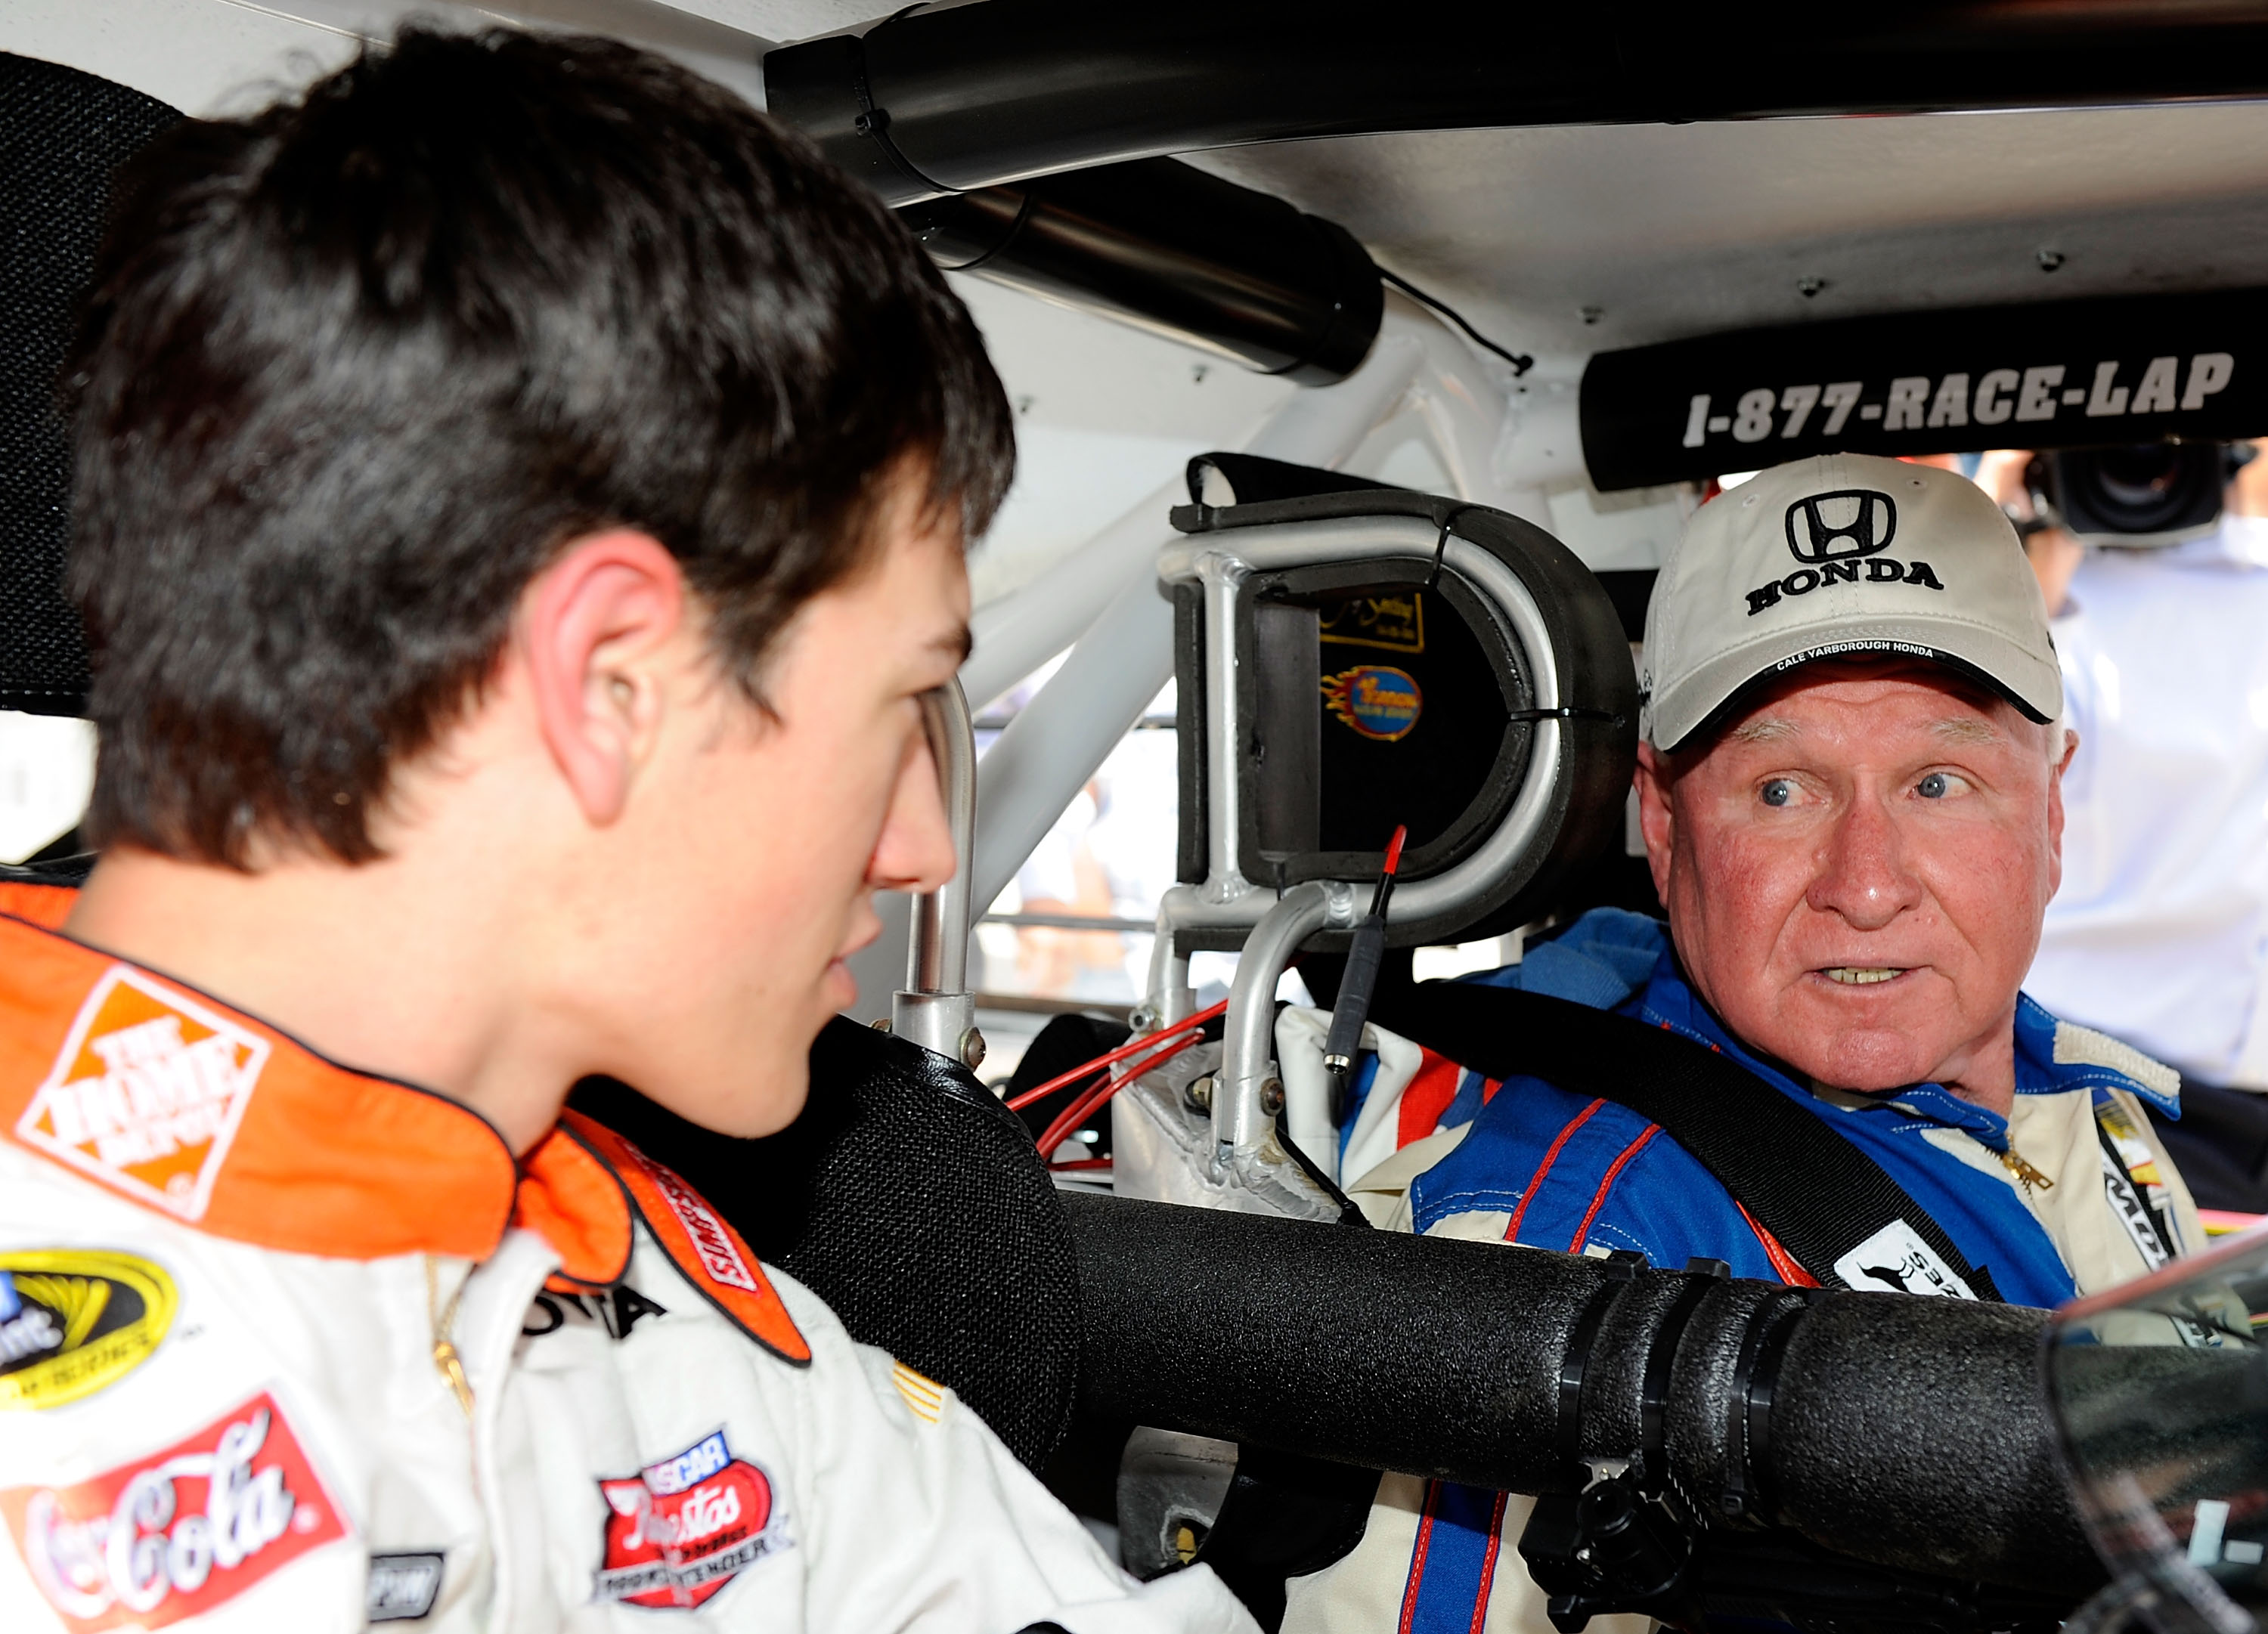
(1911, 1434)
(971, 96)
(1235, 272)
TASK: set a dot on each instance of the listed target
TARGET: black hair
(355, 368)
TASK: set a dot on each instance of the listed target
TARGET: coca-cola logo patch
(679, 1529)
(179, 1533)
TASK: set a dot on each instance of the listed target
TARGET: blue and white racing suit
(2032, 1197)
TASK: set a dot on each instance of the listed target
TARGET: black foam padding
(1420, 1354)
(911, 1201)
(64, 133)
(1614, 1376)
(1255, 478)
(1704, 1417)
(1915, 1432)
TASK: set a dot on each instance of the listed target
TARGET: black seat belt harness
(1819, 1195)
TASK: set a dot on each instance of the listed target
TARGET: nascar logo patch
(681, 1528)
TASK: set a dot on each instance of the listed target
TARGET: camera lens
(2153, 493)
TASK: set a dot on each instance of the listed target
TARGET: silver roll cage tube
(936, 1009)
(1248, 1086)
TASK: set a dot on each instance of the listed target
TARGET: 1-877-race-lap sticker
(2043, 374)
(681, 1528)
(178, 1532)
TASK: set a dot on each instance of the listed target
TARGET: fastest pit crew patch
(176, 1534)
(74, 1319)
(679, 1529)
(1895, 1260)
(2054, 375)
(146, 1092)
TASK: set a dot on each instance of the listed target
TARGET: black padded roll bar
(1904, 1432)
(934, 101)
(1234, 272)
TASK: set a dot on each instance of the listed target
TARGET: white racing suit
(284, 1346)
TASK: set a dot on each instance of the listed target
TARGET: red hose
(1133, 1046)
(1086, 1104)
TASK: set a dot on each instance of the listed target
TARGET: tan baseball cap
(1838, 556)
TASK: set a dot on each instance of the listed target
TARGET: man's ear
(1655, 822)
(593, 629)
(2056, 769)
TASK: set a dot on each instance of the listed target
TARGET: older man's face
(1855, 873)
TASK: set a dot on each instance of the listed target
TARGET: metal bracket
(937, 1010)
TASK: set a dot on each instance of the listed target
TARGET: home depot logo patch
(146, 1092)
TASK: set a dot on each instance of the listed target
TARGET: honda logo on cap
(1849, 522)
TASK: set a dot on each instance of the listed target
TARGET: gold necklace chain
(450, 1366)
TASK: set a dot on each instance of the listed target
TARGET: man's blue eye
(1933, 787)
(1779, 791)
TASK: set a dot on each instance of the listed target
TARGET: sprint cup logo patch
(680, 1530)
(146, 1092)
(177, 1533)
(72, 1321)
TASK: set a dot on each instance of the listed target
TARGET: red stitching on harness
(1417, 1556)
(1606, 1184)
(1512, 1228)
(1782, 1261)
(1488, 1565)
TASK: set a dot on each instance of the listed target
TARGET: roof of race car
(1578, 240)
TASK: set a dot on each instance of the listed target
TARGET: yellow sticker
(1394, 622)
(75, 1319)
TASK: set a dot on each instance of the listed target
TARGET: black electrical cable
(1364, 954)
(1520, 362)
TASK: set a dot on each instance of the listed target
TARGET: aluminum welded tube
(1057, 739)
(1017, 633)
(937, 955)
(1247, 1043)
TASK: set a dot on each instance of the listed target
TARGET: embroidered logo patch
(1895, 1260)
(681, 1529)
(177, 1533)
(1377, 700)
(404, 1587)
(710, 1240)
(147, 1093)
(72, 1321)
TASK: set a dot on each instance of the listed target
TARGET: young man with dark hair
(521, 495)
